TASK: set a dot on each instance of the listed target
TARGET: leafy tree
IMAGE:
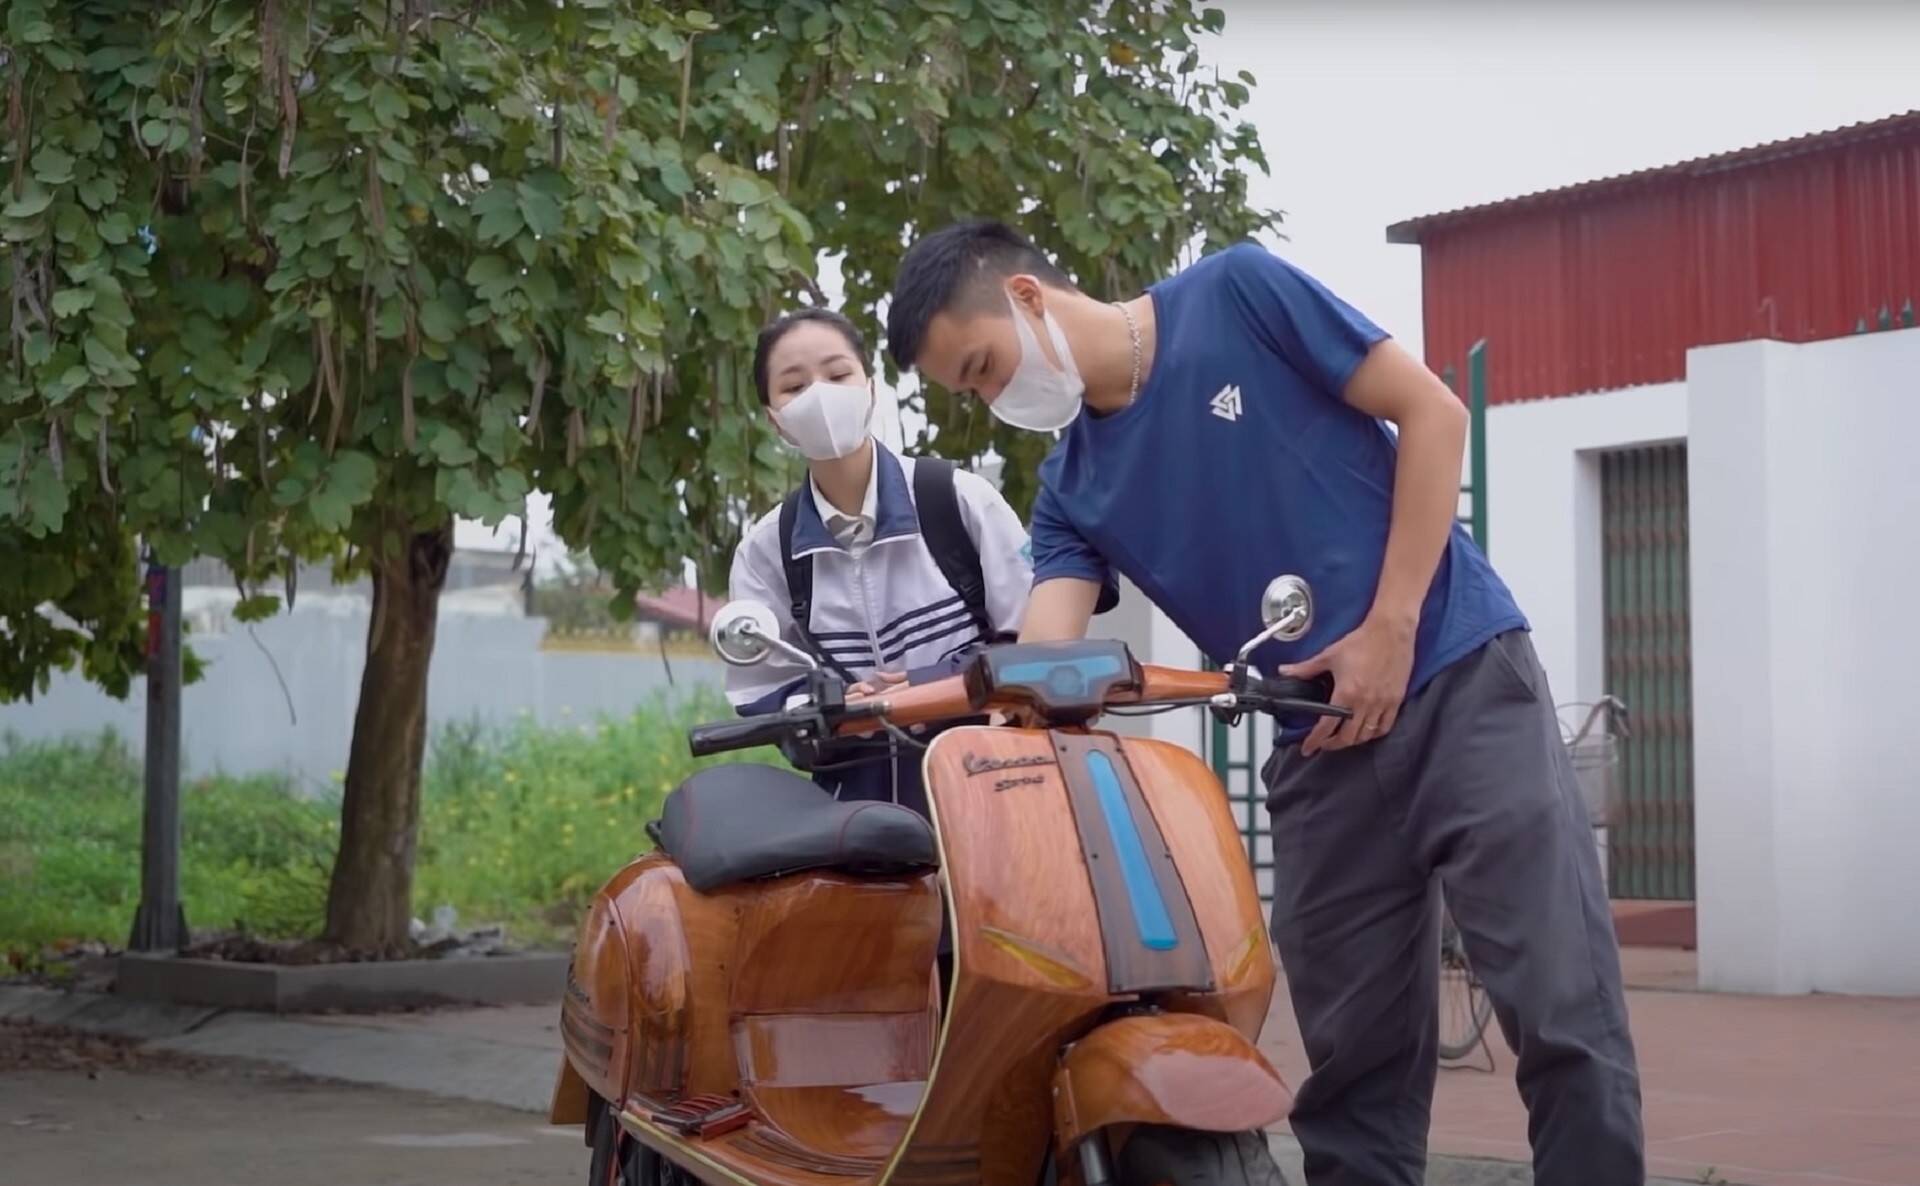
(309, 280)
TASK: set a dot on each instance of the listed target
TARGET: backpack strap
(945, 534)
(800, 585)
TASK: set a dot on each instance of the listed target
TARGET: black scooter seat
(730, 824)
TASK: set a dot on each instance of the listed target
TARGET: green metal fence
(1235, 753)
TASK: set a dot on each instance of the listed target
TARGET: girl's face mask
(827, 420)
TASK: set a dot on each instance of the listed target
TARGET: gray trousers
(1472, 791)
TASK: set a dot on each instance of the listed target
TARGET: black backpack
(941, 529)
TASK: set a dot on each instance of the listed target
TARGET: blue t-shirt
(1240, 461)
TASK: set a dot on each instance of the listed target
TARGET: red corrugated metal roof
(681, 606)
(1608, 285)
(1413, 229)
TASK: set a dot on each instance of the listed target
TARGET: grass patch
(519, 825)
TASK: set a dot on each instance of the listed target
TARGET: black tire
(619, 1160)
(1155, 1156)
(614, 1157)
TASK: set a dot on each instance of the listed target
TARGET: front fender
(1178, 1069)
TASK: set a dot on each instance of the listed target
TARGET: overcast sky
(1373, 112)
(1376, 112)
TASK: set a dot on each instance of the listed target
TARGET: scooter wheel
(619, 1160)
(1156, 1156)
(615, 1155)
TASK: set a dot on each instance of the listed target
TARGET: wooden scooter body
(1111, 968)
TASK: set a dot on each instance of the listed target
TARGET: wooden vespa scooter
(756, 1002)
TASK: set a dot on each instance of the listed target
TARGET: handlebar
(747, 733)
(1235, 691)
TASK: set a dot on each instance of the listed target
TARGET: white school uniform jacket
(880, 601)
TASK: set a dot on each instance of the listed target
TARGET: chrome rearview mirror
(740, 632)
(1287, 604)
(1287, 609)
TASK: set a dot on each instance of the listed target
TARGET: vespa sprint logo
(1226, 405)
(976, 765)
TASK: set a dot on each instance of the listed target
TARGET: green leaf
(31, 202)
(452, 449)
(353, 475)
(541, 289)
(155, 132)
(330, 510)
(1213, 20)
(69, 301)
(491, 276)
(542, 213)
(46, 497)
(439, 322)
(53, 166)
(100, 360)
(674, 176)
(389, 105)
(115, 228)
(98, 191)
(687, 242)
(257, 608)
(499, 224)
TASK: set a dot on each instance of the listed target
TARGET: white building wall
(1805, 541)
(1806, 558)
(1543, 514)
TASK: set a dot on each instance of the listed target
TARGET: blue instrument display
(1065, 681)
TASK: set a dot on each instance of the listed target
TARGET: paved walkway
(1758, 1091)
(1749, 1091)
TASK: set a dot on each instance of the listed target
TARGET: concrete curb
(439, 1063)
(535, 979)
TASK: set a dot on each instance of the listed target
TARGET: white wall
(1543, 514)
(237, 719)
(1805, 505)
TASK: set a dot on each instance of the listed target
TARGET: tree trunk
(369, 901)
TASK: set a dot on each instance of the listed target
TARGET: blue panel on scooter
(1150, 916)
(1066, 681)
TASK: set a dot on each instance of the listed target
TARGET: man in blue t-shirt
(1228, 426)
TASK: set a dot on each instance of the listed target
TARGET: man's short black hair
(953, 266)
(781, 326)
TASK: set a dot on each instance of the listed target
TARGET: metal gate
(1643, 494)
(1237, 754)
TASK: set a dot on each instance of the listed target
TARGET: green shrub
(518, 825)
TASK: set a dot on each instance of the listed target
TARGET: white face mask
(827, 420)
(1039, 398)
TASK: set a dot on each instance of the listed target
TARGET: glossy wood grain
(1196, 820)
(824, 943)
(825, 1024)
(1175, 683)
(1182, 1070)
(1133, 966)
(945, 699)
(1030, 964)
(834, 1050)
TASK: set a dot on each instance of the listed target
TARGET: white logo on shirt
(1226, 405)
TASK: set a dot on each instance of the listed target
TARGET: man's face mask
(1039, 397)
(827, 420)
